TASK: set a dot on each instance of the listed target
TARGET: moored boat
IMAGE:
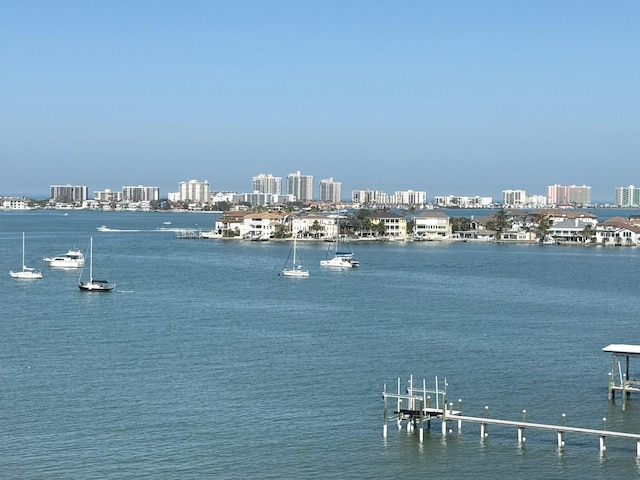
(72, 259)
(94, 285)
(26, 273)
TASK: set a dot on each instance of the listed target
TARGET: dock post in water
(414, 406)
(521, 438)
(603, 447)
(561, 432)
(385, 417)
(483, 426)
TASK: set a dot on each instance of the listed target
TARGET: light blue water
(213, 366)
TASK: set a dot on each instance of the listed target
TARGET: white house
(617, 231)
(432, 224)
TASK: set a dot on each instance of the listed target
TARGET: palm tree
(542, 228)
(316, 227)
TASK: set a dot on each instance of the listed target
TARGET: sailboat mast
(23, 242)
(91, 261)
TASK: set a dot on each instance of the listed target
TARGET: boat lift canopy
(620, 349)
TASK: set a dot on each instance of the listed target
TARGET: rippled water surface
(205, 363)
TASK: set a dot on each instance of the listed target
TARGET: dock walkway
(416, 406)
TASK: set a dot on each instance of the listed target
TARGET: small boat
(26, 272)
(341, 259)
(94, 285)
(72, 259)
(166, 223)
(296, 269)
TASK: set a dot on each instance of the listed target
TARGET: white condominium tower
(267, 184)
(330, 191)
(628, 196)
(69, 193)
(194, 191)
(141, 194)
(301, 186)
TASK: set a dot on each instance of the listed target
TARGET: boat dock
(419, 405)
(619, 380)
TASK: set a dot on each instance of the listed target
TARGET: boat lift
(619, 379)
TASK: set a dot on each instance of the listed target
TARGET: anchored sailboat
(26, 272)
(296, 269)
(94, 285)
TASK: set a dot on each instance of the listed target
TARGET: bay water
(205, 363)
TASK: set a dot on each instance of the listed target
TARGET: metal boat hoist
(619, 378)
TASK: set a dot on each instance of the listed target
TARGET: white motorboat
(94, 285)
(296, 270)
(26, 272)
(341, 259)
(72, 259)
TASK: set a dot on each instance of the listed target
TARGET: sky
(450, 97)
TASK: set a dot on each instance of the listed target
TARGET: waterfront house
(432, 225)
(312, 225)
(393, 224)
(618, 231)
(15, 203)
(574, 230)
(555, 215)
(251, 226)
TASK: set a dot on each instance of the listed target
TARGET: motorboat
(72, 259)
(340, 261)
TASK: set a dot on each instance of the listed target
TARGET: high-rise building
(301, 186)
(194, 191)
(267, 184)
(572, 195)
(69, 193)
(410, 197)
(107, 195)
(330, 191)
(628, 196)
(141, 194)
(514, 197)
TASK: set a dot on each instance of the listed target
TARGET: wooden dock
(417, 406)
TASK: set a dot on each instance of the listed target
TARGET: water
(207, 364)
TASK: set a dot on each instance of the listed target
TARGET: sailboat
(94, 285)
(341, 258)
(26, 272)
(296, 269)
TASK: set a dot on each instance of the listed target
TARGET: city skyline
(554, 194)
(466, 98)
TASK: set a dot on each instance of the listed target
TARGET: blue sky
(451, 97)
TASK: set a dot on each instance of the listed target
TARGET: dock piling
(415, 406)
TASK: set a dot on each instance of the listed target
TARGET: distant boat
(26, 272)
(341, 258)
(166, 223)
(296, 269)
(94, 285)
(72, 259)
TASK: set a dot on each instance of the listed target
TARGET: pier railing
(416, 406)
